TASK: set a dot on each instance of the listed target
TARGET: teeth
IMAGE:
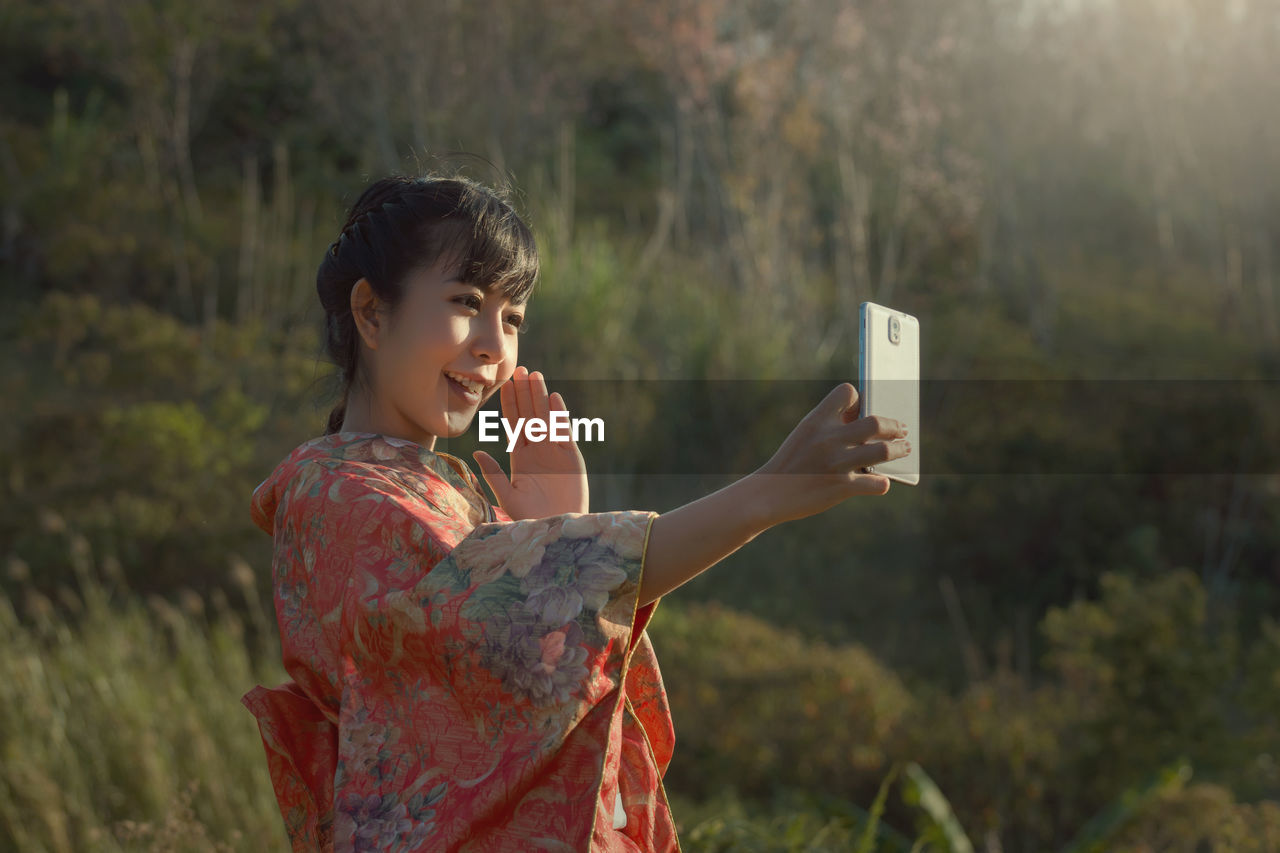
(473, 387)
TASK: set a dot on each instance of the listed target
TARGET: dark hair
(402, 223)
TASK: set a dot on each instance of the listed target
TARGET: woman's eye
(472, 301)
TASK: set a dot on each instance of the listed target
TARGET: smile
(466, 388)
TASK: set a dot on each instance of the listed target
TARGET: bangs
(495, 248)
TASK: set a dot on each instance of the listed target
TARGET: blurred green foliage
(133, 427)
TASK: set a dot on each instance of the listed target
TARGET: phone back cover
(890, 382)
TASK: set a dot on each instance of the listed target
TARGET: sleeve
(643, 614)
(301, 746)
(539, 610)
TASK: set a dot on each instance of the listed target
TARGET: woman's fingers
(851, 412)
(525, 396)
(507, 396)
(872, 453)
(529, 394)
(872, 428)
(839, 400)
(556, 404)
(494, 476)
(524, 400)
(848, 403)
(538, 391)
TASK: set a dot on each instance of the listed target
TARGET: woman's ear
(366, 310)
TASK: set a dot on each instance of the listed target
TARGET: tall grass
(121, 724)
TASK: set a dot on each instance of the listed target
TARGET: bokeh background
(1058, 190)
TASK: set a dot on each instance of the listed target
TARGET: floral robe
(460, 681)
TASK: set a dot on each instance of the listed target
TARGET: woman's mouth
(466, 393)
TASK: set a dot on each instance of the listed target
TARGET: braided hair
(402, 223)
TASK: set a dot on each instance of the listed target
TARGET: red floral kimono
(460, 681)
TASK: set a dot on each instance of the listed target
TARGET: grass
(122, 725)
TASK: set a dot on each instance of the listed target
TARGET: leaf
(927, 795)
(877, 809)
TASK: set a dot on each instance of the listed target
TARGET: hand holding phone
(809, 473)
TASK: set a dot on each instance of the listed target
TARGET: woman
(468, 676)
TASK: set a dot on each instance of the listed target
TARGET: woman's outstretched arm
(813, 470)
(689, 540)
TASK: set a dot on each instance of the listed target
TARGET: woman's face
(442, 326)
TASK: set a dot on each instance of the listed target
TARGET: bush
(759, 709)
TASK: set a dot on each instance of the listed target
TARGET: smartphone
(889, 380)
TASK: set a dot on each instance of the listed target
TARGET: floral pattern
(459, 680)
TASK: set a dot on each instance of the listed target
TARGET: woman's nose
(489, 342)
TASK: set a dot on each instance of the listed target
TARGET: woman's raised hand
(818, 465)
(547, 477)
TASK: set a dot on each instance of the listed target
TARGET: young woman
(470, 676)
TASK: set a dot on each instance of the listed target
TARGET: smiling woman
(461, 673)
(468, 675)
